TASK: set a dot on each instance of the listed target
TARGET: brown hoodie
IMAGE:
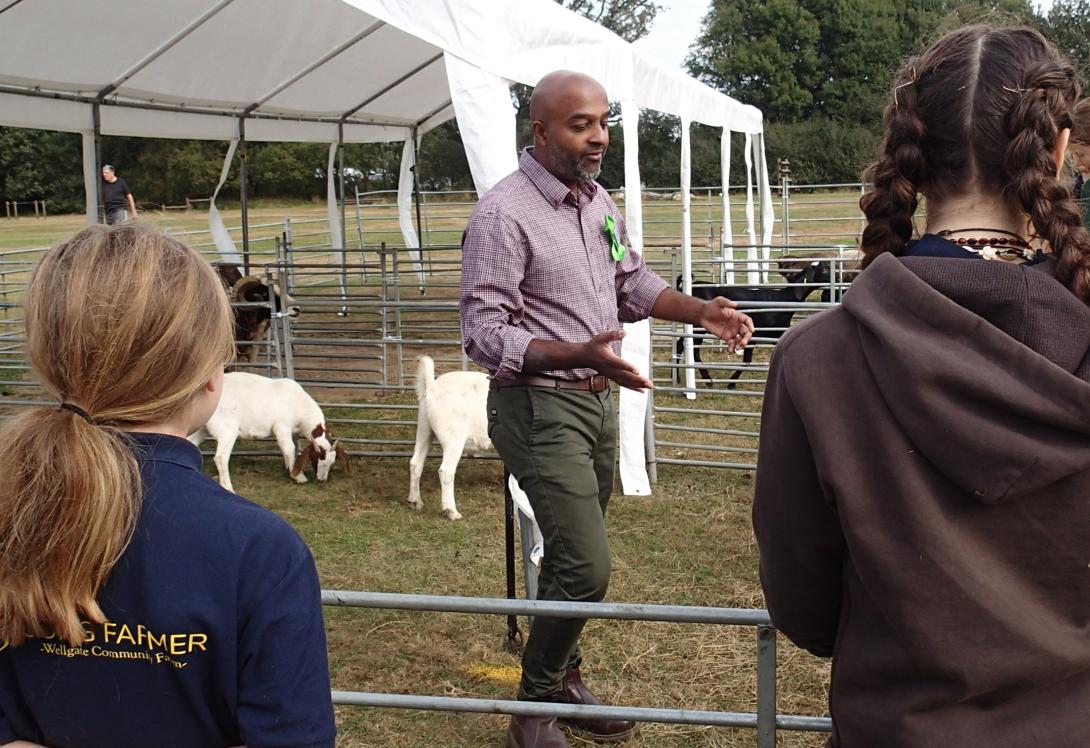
(922, 505)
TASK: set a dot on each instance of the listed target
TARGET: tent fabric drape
(405, 186)
(220, 235)
(486, 121)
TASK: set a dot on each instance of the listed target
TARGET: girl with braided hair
(921, 500)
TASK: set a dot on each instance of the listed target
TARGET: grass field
(689, 543)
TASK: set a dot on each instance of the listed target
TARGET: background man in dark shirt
(116, 197)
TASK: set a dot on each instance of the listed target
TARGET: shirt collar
(165, 448)
(551, 188)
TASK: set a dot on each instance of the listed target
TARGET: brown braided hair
(982, 106)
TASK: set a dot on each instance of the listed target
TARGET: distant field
(816, 218)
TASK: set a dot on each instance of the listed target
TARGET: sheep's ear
(301, 460)
(342, 455)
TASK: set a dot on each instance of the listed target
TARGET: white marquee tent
(351, 71)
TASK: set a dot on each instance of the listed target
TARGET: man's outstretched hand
(599, 356)
(719, 317)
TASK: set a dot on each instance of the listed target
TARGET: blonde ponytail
(124, 327)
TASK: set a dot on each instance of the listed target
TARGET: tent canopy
(190, 68)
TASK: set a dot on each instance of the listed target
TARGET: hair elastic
(78, 411)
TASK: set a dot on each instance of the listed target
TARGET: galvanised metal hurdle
(765, 720)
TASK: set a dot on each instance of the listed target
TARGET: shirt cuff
(642, 297)
(515, 343)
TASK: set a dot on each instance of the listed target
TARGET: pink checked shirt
(536, 264)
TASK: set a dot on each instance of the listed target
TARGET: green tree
(628, 19)
(41, 165)
(796, 59)
(1067, 24)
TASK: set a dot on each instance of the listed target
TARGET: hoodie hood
(984, 365)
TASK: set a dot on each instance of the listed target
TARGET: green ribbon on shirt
(616, 248)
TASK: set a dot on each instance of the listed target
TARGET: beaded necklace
(992, 247)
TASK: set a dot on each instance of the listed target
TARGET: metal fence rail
(765, 720)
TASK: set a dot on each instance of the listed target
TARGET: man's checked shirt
(536, 263)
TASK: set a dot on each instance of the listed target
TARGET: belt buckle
(598, 383)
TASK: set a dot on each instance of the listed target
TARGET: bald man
(547, 278)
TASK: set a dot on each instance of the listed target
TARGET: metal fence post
(382, 311)
(397, 319)
(359, 234)
(290, 283)
(785, 200)
(766, 687)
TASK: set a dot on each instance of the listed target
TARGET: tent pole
(344, 239)
(96, 116)
(244, 194)
(340, 184)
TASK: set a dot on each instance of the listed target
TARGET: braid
(1042, 111)
(891, 201)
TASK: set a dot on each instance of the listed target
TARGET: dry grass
(690, 543)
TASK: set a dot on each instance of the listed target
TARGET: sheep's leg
(286, 441)
(420, 454)
(452, 453)
(197, 437)
(224, 445)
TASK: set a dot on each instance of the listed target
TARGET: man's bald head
(559, 90)
(569, 113)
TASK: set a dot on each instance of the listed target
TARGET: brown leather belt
(597, 383)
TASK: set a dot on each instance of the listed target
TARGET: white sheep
(453, 409)
(257, 407)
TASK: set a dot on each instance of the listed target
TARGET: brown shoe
(600, 730)
(535, 732)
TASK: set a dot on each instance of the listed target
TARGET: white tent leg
(687, 249)
(726, 243)
(753, 270)
(764, 192)
(90, 177)
(333, 215)
(636, 345)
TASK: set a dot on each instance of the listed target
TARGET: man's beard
(569, 167)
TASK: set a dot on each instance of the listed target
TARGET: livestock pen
(362, 324)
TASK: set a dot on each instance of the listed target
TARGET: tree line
(820, 70)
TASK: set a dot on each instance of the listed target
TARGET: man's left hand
(719, 317)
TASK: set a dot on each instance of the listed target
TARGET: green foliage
(443, 164)
(821, 151)
(796, 59)
(628, 19)
(1067, 24)
(40, 165)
